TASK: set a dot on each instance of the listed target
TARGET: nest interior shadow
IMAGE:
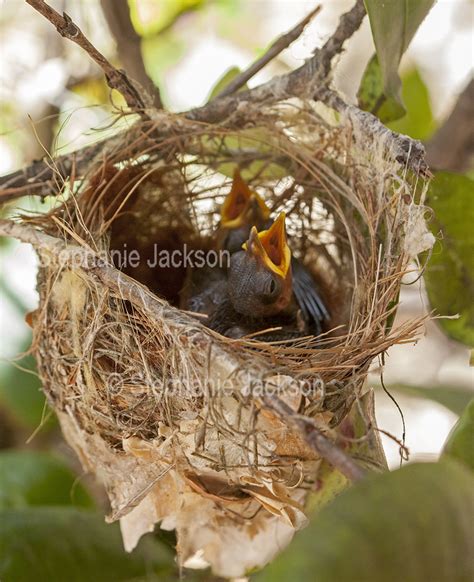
(133, 377)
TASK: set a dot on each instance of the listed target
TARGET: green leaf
(454, 399)
(371, 95)
(155, 16)
(54, 544)
(449, 275)
(34, 478)
(413, 524)
(394, 23)
(363, 445)
(222, 83)
(460, 442)
(418, 122)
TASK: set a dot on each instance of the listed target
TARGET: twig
(116, 79)
(327, 449)
(312, 80)
(43, 177)
(452, 147)
(117, 14)
(348, 24)
(275, 49)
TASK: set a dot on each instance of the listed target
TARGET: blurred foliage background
(52, 98)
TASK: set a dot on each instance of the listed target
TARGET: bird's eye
(269, 290)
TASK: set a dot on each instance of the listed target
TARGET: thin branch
(116, 79)
(117, 14)
(348, 24)
(302, 82)
(320, 443)
(452, 147)
(275, 49)
(311, 80)
(408, 151)
(45, 177)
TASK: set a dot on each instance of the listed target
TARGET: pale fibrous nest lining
(167, 413)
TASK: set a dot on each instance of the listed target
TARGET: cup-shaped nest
(169, 414)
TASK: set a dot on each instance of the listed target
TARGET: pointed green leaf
(222, 83)
(418, 122)
(413, 524)
(460, 442)
(449, 274)
(393, 24)
(371, 96)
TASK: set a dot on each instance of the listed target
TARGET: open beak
(270, 247)
(240, 205)
(235, 202)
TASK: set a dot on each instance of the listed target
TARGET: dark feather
(313, 310)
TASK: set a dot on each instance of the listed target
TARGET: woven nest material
(169, 414)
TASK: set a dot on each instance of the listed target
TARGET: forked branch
(117, 14)
(275, 49)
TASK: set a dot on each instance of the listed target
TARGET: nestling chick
(241, 210)
(244, 209)
(259, 278)
(206, 288)
(264, 280)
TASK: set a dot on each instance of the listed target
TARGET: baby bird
(205, 288)
(244, 209)
(260, 290)
(264, 280)
(260, 281)
(241, 210)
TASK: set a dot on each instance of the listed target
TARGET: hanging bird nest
(176, 420)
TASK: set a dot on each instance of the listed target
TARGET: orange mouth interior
(271, 246)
